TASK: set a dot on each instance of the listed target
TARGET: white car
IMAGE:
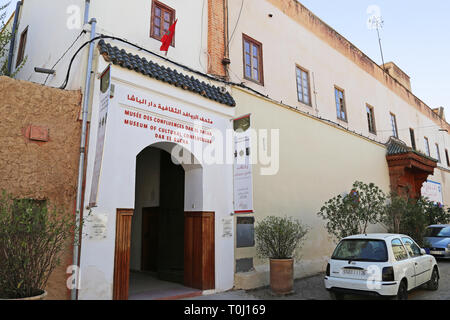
(388, 265)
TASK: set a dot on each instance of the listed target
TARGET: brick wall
(39, 145)
(216, 37)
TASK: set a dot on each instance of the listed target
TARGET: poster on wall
(433, 191)
(243, 179)
(105, 96)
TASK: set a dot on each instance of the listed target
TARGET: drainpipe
(86, 11)
(79, 206)
(13, 37)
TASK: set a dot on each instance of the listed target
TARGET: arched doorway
(171, 240)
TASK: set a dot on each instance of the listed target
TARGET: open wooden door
(122, 254)
(199, 250)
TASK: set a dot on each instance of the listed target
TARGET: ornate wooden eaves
(408, 169)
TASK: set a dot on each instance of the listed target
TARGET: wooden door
(150, 243)
(199, 254)
(122, 254)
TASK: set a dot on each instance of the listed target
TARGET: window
(413, 138)
(303, 92)
(438, 152)
(162, 18)
(371, 119)
(340, 104)
(394, 125)
(448, 159)
(253, 64)
(438, 232)
(399, 250)
(361, 250)
(427, 147)
(412, 248)
(22, 45)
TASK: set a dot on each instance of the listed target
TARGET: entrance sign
(227, 231)
(105, 94)
(243, 178)
(433, 191)
(98, 227)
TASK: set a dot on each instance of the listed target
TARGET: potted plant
(278, 238)
(32, 239)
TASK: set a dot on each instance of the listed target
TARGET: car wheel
(336, 296)
(402, 293)
(433, 284)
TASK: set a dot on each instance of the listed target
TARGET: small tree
(353, 213)
(32, 239)
(436, 213)
(279, 237)
(410, 216)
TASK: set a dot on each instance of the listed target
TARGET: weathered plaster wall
(40, 170)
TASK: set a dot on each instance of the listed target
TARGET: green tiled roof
(395, 147)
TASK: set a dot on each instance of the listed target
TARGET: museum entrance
(157, 236)
(163, 225)
(171, 251)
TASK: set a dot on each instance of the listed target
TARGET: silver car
(437, 239)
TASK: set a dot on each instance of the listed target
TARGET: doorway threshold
(146, 286)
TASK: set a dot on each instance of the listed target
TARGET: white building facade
(335, 110)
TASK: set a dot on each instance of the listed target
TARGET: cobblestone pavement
(312, 288)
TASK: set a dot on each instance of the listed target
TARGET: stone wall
(39, 144)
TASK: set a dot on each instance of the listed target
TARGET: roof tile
(153, 70)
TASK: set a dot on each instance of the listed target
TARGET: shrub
(409, 216)
(353, 213)
(279, 237)
(32, 239)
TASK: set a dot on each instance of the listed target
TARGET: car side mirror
(423, 252)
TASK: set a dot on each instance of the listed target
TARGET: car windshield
(438, 232)
(361, 250)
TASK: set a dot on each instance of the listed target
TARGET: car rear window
(361, 250)
(438, 232)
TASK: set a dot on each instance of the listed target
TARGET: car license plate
(355, 272)
(438, 253)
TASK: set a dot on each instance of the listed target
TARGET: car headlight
(448, 246)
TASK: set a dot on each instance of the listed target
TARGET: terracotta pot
(39, 297)
(282, 276)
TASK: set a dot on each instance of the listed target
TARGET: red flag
(167, 38)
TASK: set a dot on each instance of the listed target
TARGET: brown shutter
(122, 254)
(199, 255)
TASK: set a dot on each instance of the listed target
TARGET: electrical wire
(209, 77)
(414, 128)
(237, 22)
(64, 54)
(201, 37)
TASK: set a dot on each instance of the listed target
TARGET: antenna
(377, 23)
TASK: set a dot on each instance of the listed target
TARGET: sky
(415, 36)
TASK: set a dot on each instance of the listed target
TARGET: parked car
(387, 265)
(437, 238)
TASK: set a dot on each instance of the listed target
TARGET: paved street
(312, 289)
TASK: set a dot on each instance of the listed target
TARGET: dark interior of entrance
(162, 224)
